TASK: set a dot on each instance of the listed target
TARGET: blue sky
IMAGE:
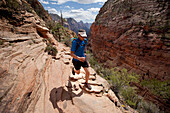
(85, 10)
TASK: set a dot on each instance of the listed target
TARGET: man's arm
(74, 56)
(82, 59)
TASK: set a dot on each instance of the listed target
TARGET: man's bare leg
(87, 74)
(87, 78)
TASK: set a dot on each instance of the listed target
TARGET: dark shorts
(78, 64)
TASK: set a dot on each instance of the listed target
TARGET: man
(78, 50)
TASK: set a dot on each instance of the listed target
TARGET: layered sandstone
(133, 34)
(34, 82)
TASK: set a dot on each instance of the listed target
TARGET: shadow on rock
(61, 94)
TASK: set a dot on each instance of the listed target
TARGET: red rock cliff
(133, 34)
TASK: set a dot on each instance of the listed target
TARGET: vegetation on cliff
(38, 8)
(158, 88)
(122, 81)
(60, 33)
(51, 50)
(134, 34)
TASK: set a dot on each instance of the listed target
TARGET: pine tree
(61, 18)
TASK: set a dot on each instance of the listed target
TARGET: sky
(85, 10)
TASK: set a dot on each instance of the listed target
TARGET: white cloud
(89, 1)
(100, 3)
(80, 14)
(44, 2)
(79, 1)
(67, 7)
(52, 10)
(87, 15)
(81, 10)
(94, 9)
(63, 1)
(53, 3)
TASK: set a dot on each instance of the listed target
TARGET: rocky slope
(33, 81)
(134, 34)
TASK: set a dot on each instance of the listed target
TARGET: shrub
(51, 50)
(120, 79)
(1, 42)
(50, 25)
(58, 31)
(25, 6)
(12, 4)
(130, 96)
(141, 23)
(94, 64)
(44, 40)
(147, 107)
(120, 84)
(67, 41)
(158, 88)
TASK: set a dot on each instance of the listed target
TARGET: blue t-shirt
(80, 51)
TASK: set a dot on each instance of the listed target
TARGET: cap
(82, 33)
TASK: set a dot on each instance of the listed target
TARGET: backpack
(77, 46)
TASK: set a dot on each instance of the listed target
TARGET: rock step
(90, 82)
(81, 76)
(95, 89)
(78, 81)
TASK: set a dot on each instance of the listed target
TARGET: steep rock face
(133, 34)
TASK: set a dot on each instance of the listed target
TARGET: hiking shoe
(87, 85)
(73, 72)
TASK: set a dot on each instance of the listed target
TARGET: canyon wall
(133, 34)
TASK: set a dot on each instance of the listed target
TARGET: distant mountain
(88, 25)
(55, 17)
(72, 24)
(75, 26)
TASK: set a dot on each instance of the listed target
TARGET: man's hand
(82, 59)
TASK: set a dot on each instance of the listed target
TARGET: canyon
(35, 81)
(133, 34)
